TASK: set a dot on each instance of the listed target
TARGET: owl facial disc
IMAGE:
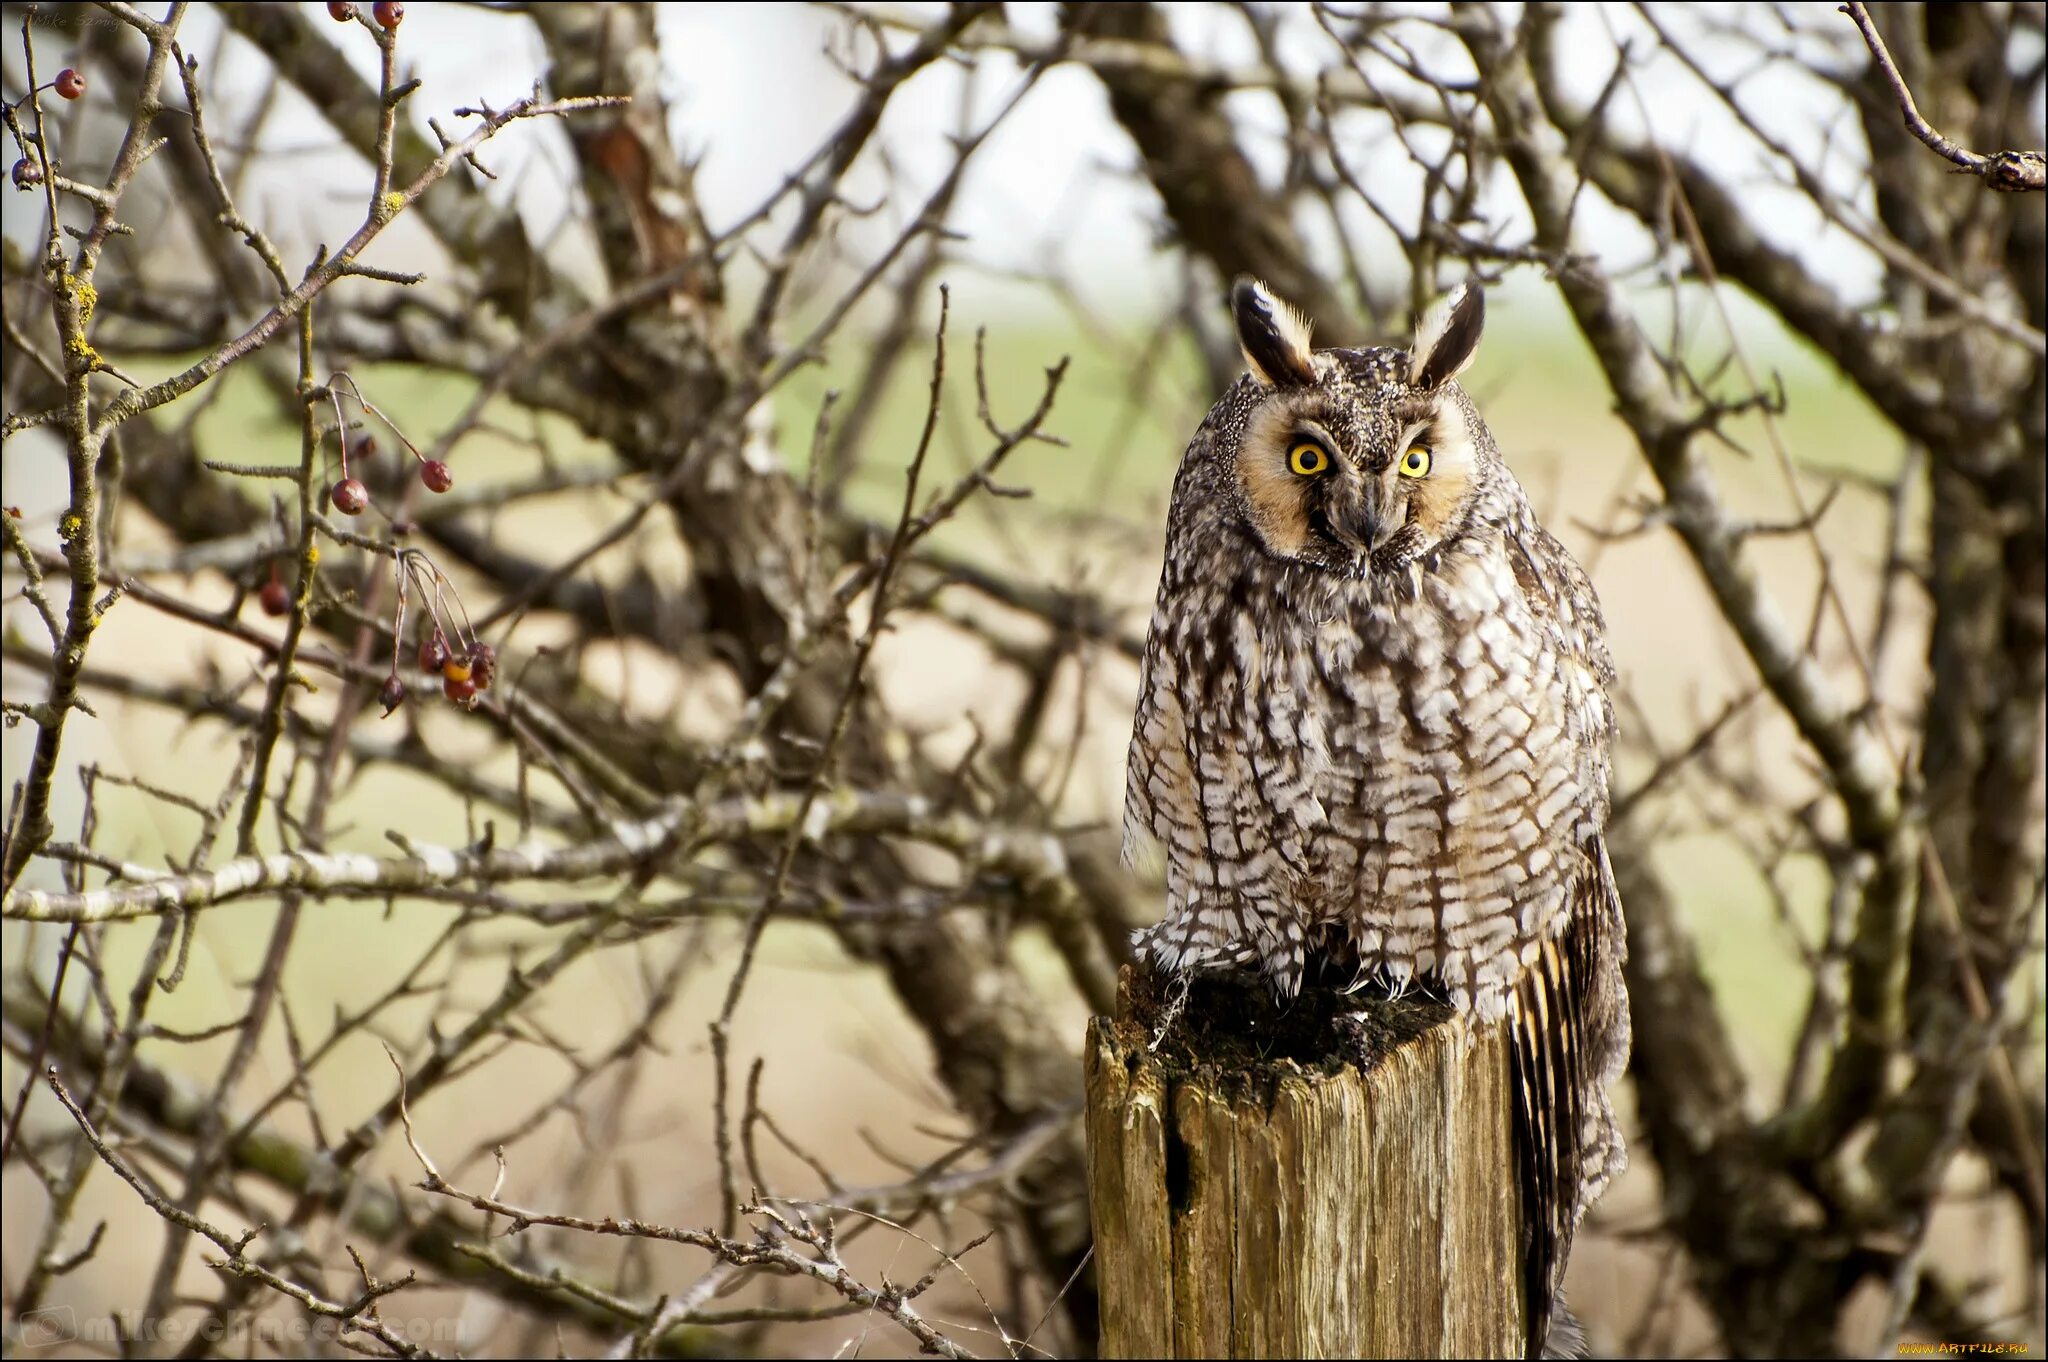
(1359, 463)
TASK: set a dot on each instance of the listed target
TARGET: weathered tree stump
(1301, 1183)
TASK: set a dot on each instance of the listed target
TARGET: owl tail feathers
(1567, 1337)
(1569, 1040)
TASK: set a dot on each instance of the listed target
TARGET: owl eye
(1308, 458)
(1415, 463)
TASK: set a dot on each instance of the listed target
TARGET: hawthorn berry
(350, 496)
(26, 173)
(483, 664)
(455, 669)
(339, 11)
(389, 13)
(363, 448)
(462, 692)
(391, 694)
(275, 599)
(69, 83)
(433, 654)
(436, 476)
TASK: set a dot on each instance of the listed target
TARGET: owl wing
(1571, 1029)
(1546, 1125)
(1200, 781)
(1163, 808)
(1159, 781)
(1562, 596)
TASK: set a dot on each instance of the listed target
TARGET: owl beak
(1360, 527)
(1375, 531)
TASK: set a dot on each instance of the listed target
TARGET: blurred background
(1769, 367)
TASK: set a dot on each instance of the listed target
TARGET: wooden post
(1256, 1193)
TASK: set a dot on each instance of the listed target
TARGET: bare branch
(2011, 172)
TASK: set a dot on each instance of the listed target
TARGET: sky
(753, 88)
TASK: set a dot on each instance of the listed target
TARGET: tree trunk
(1334, 1180)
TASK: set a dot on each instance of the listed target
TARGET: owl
(1373, 731)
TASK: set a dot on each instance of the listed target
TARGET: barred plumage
(1374, 725)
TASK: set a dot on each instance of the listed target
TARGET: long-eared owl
(1373, 728)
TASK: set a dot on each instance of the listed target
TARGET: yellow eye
(1415, 463)
(1308, 459)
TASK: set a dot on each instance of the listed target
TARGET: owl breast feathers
(1373, 727)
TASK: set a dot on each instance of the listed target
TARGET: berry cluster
(349, 495)
(465, 663)
(463, 677)
(69, 84)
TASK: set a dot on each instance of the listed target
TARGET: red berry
(274, 598)
(436, 476)
(454, 670)
(391, 694)
(340, 12)
(483, 664)
(462, 692)
(388, 13)
(433, 654)
(69, 83)
(364, 447)
(26, 173)
(350, 496)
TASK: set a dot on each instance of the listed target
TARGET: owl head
(1360, 462)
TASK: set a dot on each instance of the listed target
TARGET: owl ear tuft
(1447, 337)
(1273, 335)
